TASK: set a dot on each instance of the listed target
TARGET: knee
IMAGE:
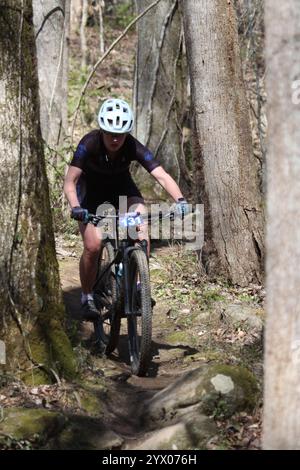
(91, 249)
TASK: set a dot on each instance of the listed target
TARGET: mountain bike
(125, 295)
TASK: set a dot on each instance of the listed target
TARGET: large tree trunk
(282, 353)
(251, 35)
(226, 169)
(161, 86)
(50, 29)
(31, 312)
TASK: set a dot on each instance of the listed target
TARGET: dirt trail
(195, 322)
(127, 393)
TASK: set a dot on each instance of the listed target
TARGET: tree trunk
(282, 352)
(101, 26)
(32, 314)
(161, 86)
(76, 11)
(225, 167)
(50, 30)
(84, 52)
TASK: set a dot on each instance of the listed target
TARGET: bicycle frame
(123, 249)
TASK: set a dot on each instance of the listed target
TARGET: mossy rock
(227, 389)
(218, 390)
(244, 314)
(31, 424)
(189, 435)
(91, 401)
(86, 433)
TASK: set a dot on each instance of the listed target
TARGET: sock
(85, 297)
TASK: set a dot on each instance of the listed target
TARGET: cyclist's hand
(182, 207)
(78, 213)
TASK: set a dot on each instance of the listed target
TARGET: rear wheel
(140, 321)
(105, 294)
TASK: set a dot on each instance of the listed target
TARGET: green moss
(91, 403)
(61, 349)
(29, 424)
(50, 346)
(242, 397)
(210, 296)
(181, 338)
(204, 356)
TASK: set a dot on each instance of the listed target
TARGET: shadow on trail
(121, 355)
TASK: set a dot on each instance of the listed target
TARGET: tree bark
(76, 12)
(226, 170)
(50, 21)
(84, 52)
(101, 26)
(282, 343)
(31, 312)
(161, 86)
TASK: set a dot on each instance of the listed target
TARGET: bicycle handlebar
(95, 219)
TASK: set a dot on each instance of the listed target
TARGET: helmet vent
(115, 116)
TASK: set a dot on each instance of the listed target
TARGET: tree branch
(48, 16)
(158, 57)
(113, 45)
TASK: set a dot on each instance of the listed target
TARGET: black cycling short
(111, 192)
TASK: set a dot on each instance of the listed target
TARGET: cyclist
(99, 172)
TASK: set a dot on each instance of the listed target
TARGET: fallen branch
(113, 45)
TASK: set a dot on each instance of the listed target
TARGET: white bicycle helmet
(115, 116)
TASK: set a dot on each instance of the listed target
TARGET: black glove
(78, 213)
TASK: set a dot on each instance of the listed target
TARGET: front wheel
(105, 294)
(140, 320)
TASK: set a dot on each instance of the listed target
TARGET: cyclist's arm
(167, 182)
(71, 179)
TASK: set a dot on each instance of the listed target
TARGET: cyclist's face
(113, 142)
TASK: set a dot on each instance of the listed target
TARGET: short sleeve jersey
(91, 157)
(105, 177)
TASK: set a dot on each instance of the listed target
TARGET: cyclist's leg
(136, 204)
(91, 237)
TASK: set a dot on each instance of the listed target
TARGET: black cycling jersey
(104, 179)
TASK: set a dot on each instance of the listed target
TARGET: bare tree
(84, 17)
(226, 171)
(101, 26)
(282, 352)
(76, 12)
(31, 312)
(51, 30)
(161, 100)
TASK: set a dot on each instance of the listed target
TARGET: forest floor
(195, 322)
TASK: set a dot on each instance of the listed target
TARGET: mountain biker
(99, 172)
